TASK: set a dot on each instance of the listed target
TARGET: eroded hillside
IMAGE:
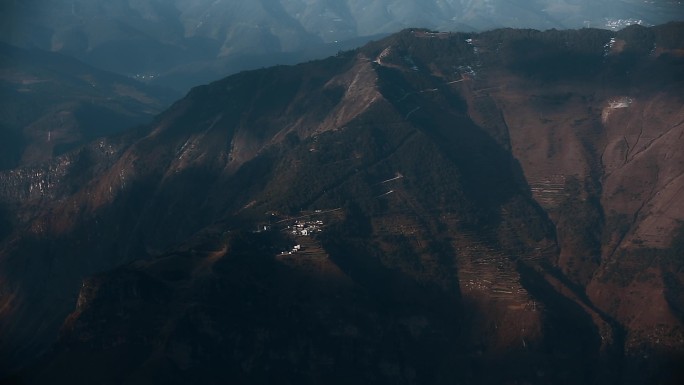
(423, 209)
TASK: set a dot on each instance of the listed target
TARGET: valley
(179, 44)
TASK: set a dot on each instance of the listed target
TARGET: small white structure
(623, 102)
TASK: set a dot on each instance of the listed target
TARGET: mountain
(434, 207)
(52, 103)
(182, 43)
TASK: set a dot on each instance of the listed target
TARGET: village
(302, 228)
(306, 228)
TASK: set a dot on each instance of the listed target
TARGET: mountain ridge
(183, 43)
(465, 170)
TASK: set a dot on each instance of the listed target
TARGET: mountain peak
(507, 197)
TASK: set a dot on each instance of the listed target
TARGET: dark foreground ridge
(433, 207)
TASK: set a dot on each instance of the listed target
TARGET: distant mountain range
(182, 43)
(496, 207)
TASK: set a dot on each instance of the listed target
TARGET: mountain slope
(482, 204)
(53, 103)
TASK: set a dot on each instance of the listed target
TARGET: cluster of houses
(294, 250)
(616, 24)
(306, 228)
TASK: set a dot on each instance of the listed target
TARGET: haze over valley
(183, 43)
